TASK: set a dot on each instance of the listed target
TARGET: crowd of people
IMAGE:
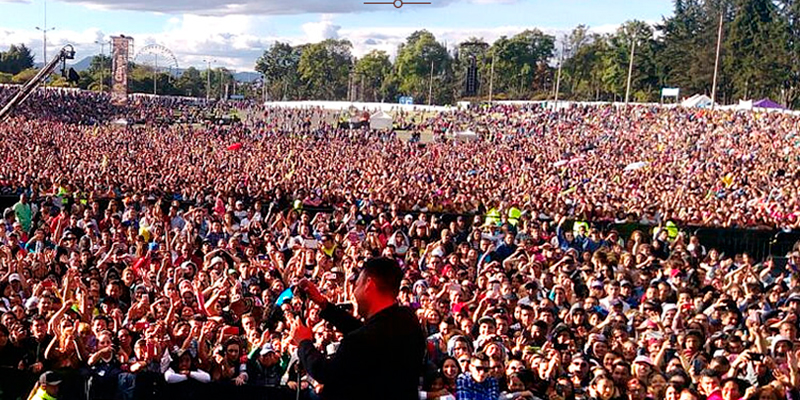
(162, 260)
(81, 107)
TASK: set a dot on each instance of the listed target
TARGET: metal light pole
(102, 60)
(430, 86)
(630, 70)
(558, 76)
(716, 65)
(208, 79)
(44, 41)
(44, 31)
(220, 84)
(155, 75)
(491, 80)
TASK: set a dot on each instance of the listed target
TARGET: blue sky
(234, 35)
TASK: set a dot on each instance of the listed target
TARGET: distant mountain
(79, 66)
(83, 64)
(86, 62)
(247, 77)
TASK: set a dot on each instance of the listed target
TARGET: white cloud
(249, 7)
(321, 30)
(230, 42)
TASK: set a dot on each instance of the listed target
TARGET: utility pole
(155, 76)
(361, 88)
(220, 84)
(44, 31)
(102, 61)
(558, 76)
(716, 65)
(430, 86)
(208, 79)
(491, 80)
(630, 69)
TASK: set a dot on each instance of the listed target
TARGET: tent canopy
(380, 120)
(466, 135)
(697, 101)
(767, 103)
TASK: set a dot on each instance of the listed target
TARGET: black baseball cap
(50, 378)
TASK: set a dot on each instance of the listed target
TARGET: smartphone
(346, 306)
(48, 284)
(756, 356)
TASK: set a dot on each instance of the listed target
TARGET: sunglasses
(481, 368)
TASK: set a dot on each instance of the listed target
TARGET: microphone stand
(297, 371)
(301, 295)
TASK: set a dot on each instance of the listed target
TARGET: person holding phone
(385, 351)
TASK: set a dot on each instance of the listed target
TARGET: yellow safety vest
(577, 224)
(42, 395)
(514, 214)
(492, 217)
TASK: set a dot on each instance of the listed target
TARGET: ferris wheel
(158, 58)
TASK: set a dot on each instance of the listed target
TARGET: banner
(119, 80)
(670, 92)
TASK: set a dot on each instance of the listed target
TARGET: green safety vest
(514, 215)
(578, 224)
(492, 217)
(671, 228)
(42, 395)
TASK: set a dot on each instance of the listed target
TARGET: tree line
(759, 57)
(759, 54)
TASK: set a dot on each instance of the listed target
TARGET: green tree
(325, 67)
(17, 59)
(418, 60)
(372, 70)
(191, 83)
(279, 65)
(758, 47)
(24, 76)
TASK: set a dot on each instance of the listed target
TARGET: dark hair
(692, 392)
(386, 274)
(430, 378)
(480, 356)
(176, 359)
(709, 373)
(444, 360)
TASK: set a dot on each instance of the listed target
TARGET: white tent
(380, 120)
(697, 101)
(466, 135)
(745, 105)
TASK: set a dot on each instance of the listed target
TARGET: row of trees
(16, 66)
(759, 54)
(191, 82)
(13, 61)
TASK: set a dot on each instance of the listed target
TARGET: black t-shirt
(10, 355)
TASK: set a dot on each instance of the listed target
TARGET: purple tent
(767, 103)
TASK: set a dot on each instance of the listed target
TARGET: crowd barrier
(759, 243)
(16, 384)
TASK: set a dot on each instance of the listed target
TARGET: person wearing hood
(400, 242)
